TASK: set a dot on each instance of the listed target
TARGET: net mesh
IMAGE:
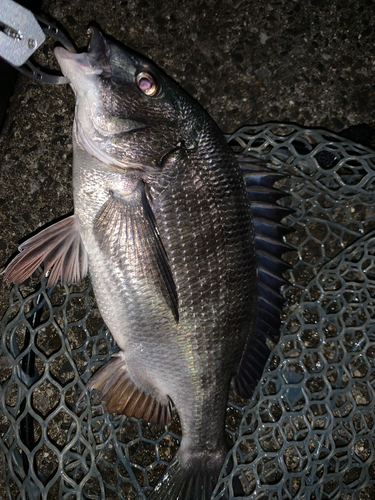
(308, 430)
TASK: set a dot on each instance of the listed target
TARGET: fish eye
(146, 84)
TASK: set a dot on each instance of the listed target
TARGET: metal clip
(21, 34)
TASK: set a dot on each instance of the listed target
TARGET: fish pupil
(144, 84)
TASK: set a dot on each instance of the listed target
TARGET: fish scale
(216, 328)
(211, 329)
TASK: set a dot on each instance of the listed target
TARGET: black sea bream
(186, 281)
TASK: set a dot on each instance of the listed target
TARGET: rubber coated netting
(308, 431)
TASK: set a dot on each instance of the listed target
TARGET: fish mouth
(96, 61)
(99, 52)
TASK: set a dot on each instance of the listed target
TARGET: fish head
(129, 113)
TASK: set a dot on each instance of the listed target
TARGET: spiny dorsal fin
(61, 249)
(269, 246)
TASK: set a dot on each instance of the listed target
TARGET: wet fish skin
(162, 216)
(166, 147)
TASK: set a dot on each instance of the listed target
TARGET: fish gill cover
(308, 430)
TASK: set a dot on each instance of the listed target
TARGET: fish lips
(96, 61)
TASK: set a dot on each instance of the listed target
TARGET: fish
(183, 243)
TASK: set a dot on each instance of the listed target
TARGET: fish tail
(194, 482)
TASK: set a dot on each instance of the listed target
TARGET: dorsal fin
(269, 246)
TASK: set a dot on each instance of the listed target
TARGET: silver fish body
(203, 217)
(162, 219)
(202, 214)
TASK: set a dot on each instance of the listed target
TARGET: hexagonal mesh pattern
(308, 430)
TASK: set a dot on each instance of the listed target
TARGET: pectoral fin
(161, 256)
(61, 249)
(126, 225)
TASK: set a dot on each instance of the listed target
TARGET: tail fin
(186, 483)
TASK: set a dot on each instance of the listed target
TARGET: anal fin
(120, 395)
(61, 249)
